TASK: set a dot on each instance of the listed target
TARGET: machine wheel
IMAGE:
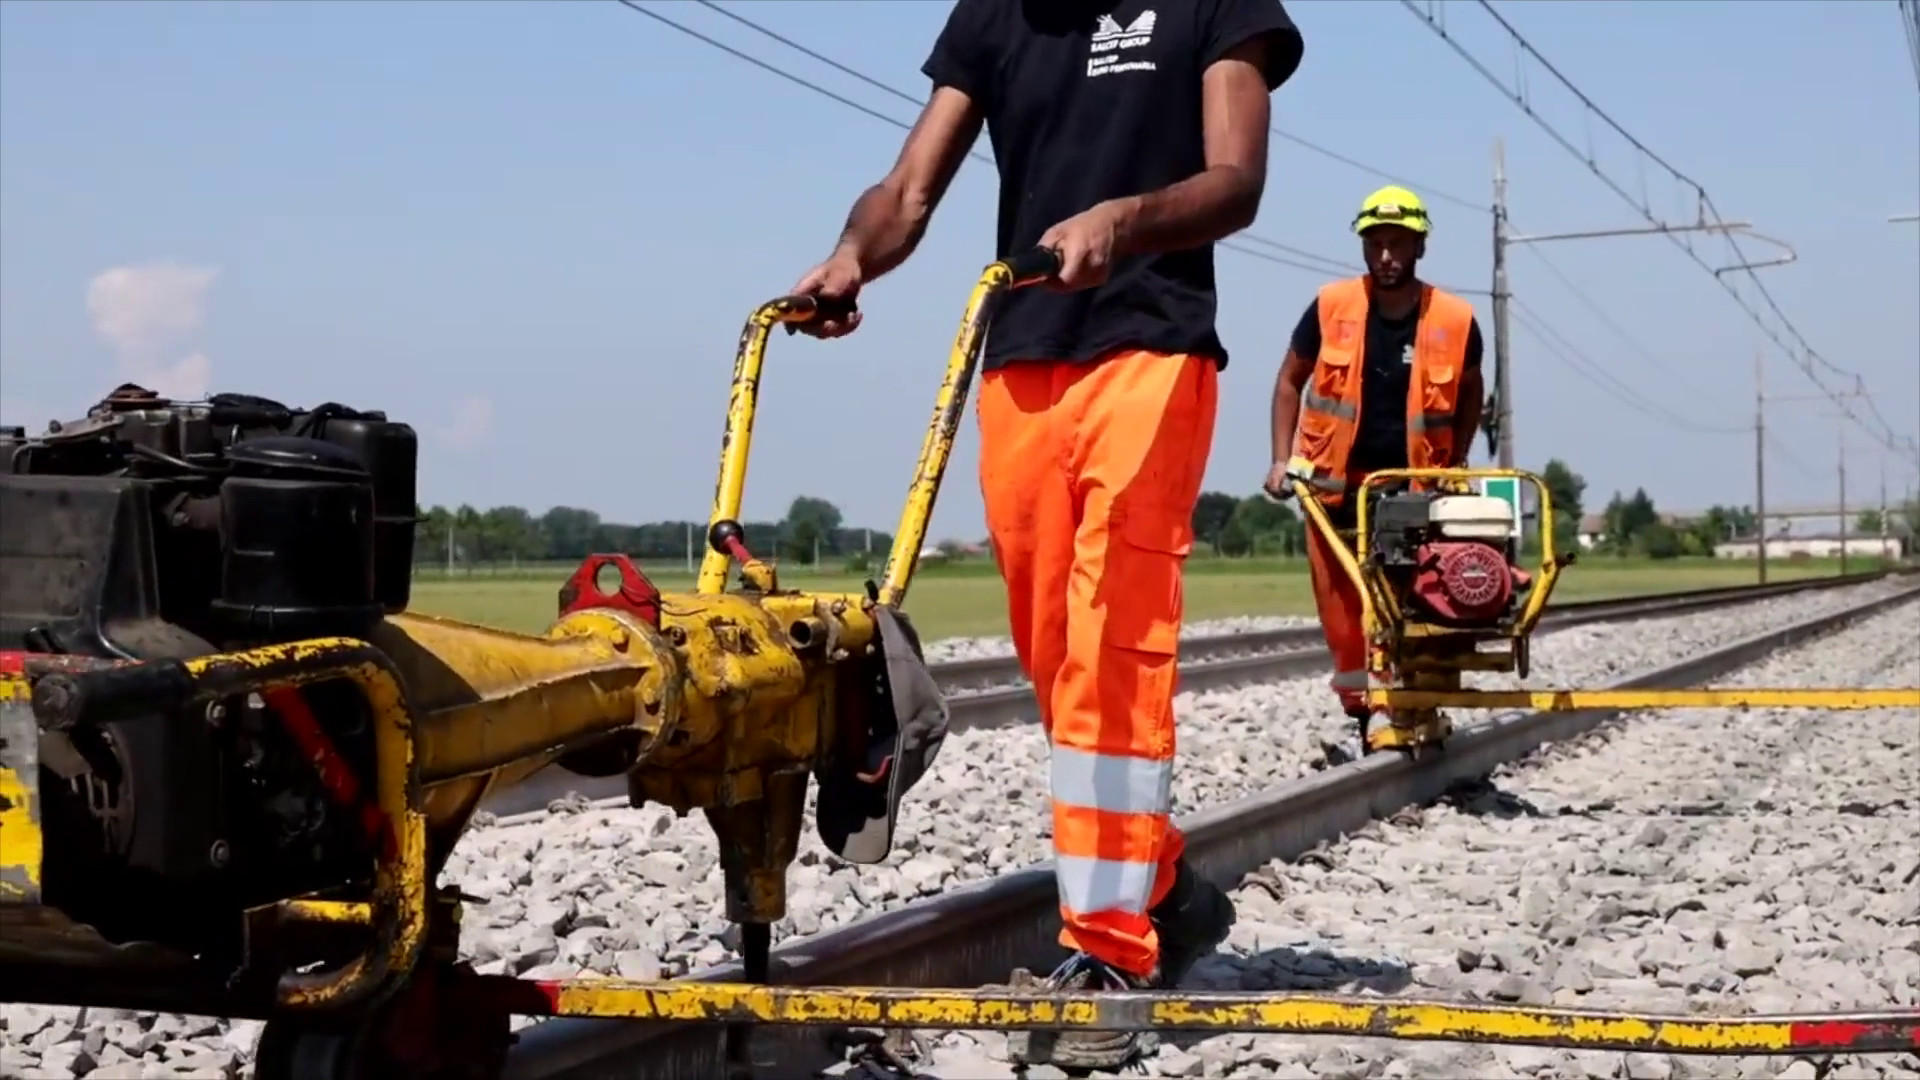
(291, 1050)
(416, 1034)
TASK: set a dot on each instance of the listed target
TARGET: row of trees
(1632, 525)
(814, 530)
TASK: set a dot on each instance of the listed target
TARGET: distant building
(1593, 529)
(1811, 547)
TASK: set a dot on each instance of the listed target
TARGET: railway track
(992, 692)
(635, 893)
(973, 934)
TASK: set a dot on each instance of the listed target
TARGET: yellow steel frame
(1415, 666)
(397, 912)
(936, 448)
(949, 406)
(1406, 653)
(736, 443)
(1381, 611)
(1219, 1013)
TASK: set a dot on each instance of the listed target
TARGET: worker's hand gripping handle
(806, 309)
(742, 403)
(1013, 272)
(1031, 267)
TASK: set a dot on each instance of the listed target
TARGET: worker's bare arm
(1223, 198)
(1466, 414)
(889, 218)
(1287, 388)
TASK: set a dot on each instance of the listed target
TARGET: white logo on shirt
(1111, 41)
(1406, 354)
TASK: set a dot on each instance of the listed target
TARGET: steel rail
(974, 935)
(996, 672)
(993, 693)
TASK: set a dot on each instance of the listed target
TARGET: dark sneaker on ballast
(1192, 921)
(1074, 1051)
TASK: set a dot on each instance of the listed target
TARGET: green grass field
(967, 601)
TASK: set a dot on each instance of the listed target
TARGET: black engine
(158, 529)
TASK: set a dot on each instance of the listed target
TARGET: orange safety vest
(1330, 402)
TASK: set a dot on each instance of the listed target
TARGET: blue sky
(533, 230)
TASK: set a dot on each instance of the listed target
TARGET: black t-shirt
(1386, 369)
(1089, 101)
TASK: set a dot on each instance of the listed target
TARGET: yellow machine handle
(743, 400)
(1013, 272)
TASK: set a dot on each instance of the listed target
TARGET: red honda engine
(1464, 581)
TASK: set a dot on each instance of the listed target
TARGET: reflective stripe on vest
(1330, 402)
(1111, 784)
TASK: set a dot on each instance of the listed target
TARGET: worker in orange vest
(1383, 373)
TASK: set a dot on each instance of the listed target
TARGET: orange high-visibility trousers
(1341, 619)
(1090, 473)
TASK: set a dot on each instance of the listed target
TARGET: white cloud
(146, 313)
(471, 424)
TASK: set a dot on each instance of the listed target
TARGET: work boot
(1079, 1051)
(1191, 921)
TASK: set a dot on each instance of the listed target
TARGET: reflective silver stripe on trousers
(1115, 784)
(1350, 680)
(1433, 421)
(1088, 885)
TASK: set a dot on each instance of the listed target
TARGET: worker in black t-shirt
(1383, 373)
(1130, 136)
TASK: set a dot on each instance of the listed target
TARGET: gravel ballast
(635, 893)
(1688, 862)
(954, 650)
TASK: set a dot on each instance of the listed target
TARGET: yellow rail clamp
(1218, 1013)
(1576, 700)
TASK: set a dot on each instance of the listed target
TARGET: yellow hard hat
(1392, 205)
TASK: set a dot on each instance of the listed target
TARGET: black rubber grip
(1033, 265)
(832, 308)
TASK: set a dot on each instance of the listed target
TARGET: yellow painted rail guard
(1215, 1013)
(1577, 700)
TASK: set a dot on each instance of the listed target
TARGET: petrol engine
(1449, 557)
(155, 529)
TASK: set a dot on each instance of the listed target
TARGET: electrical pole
(1883, 507)
(1504, 237)
(1843, 498)
(1760, 458)
(1502, 379)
